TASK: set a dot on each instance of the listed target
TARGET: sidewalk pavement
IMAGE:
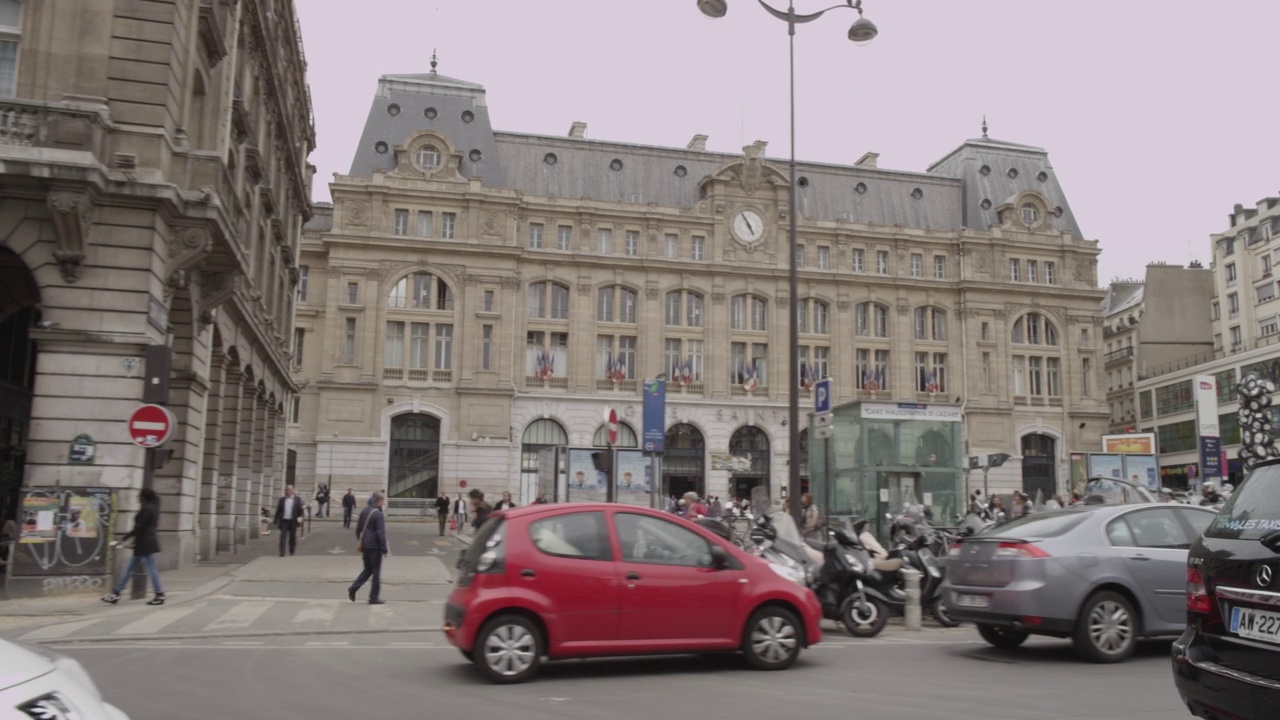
(325, 555)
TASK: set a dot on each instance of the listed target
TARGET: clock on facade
(748, 226)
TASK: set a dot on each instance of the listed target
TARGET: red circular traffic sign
(151, 426)
(462, 484)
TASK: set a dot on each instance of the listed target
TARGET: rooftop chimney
(868, 160)
(578, 130)
(699, 142)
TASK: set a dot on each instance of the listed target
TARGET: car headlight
(793, 574)
(854, 563)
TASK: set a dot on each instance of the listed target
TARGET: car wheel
(1002, 637)
(1107, 630)
(942, 614)
(864, 620)
(772, 639)
(508, 649)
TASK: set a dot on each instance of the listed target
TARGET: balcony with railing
(1123, 353)
(1037, 401)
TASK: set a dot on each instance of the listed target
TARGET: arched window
(1034, 329)
(748, 312)
(1036, 376)
(930, 323)
(414, 463)
(751, 442)
(421, 291)
(616, 304)
(813, 316)
(626, 437)
(683, 307)
(871, 320)
(549, 300)
(538, 435)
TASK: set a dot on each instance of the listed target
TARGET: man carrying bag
(371, 534)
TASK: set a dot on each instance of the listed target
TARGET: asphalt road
(947, 676)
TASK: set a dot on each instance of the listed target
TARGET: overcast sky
(1158, 115)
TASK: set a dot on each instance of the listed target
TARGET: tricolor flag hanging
(749, 380)
(931, 384)
(686, 376)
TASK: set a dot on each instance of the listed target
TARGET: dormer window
(1030, 214)
(427, 157)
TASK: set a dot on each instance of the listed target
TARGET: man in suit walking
(348, 507)
(288, 516)
(371, 530)
(442, 511)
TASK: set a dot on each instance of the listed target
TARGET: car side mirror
(719, 558)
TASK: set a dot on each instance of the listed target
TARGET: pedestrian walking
(146, 545)
(348, 508)
(371, 534)
(442, 511)
(288, 517)
(460, 511)
(322, 501)
(505, 503)
(479, 508)
(810, 519)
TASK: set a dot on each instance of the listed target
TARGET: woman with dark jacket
(145, 546)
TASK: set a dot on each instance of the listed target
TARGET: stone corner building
(153, 187)
(473, 296)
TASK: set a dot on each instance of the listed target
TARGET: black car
(1227, 663)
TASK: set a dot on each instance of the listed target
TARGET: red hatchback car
(596, 580)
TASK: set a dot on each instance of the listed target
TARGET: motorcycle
(919, 546)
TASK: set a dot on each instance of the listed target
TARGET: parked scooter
(914, 542)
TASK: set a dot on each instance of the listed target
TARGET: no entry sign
(151, 426)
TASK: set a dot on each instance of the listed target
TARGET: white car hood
(19, 665)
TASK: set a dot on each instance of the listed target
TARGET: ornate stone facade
(156, 196)
(590, 265)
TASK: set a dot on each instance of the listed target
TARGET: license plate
(1256, 624)
(973, 601)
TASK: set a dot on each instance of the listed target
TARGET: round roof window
(615, 165)
(393, 109)
(550, 159)
(468, 116)
(380, 148)
(430, 113)
(860, 188)
(475, 156)
(681, 171)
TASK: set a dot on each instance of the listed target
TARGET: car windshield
(1039, 525)
(1253, 509)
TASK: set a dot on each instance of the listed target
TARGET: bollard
(911, 583)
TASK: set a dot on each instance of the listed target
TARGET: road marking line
(382, 616)
(244, 643)
(319, 612)
(54, 632)
(322, 643)
(240, 616)
(157, 621)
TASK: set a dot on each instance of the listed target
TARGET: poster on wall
(634, 473)
(587, 482)
(64, 531)
(1107, 466)
(1142, 470)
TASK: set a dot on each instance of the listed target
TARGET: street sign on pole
(822, 396)
(151, 426)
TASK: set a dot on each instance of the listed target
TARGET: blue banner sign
(1211, 457)
(655, 416)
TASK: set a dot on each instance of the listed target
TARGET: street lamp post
(860, 33)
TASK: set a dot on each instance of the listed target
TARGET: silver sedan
(1103, 576)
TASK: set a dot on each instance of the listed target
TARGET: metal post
(793, 330)
(912, 614)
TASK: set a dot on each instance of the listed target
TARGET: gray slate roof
(950, 194)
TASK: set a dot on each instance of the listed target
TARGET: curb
(102, 639)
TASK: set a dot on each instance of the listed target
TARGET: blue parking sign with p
(822, 396)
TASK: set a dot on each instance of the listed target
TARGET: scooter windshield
(783, 524)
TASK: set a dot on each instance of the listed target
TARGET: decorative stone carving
(1001, 315)
(492, 224)
(215, 289)
(511, 283)
(717, 297)
(1081, 273)
(584, 288)
(187, 247)
(471, 279)
(844, 305)
(651, 292)
(357, 214)
(983, 262)
(71, 213)
(904, 309)
(782, 300)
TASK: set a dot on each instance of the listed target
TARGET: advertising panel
(587, 481)
(1142, 470)
(64, 531)
(1211, 458)
(1137, 443)
(1106, 466)
(634, 473)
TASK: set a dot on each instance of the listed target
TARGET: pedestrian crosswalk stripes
(152, 623)
(233, 617)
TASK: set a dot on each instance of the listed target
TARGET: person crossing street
(348, 508)
(371, 534)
